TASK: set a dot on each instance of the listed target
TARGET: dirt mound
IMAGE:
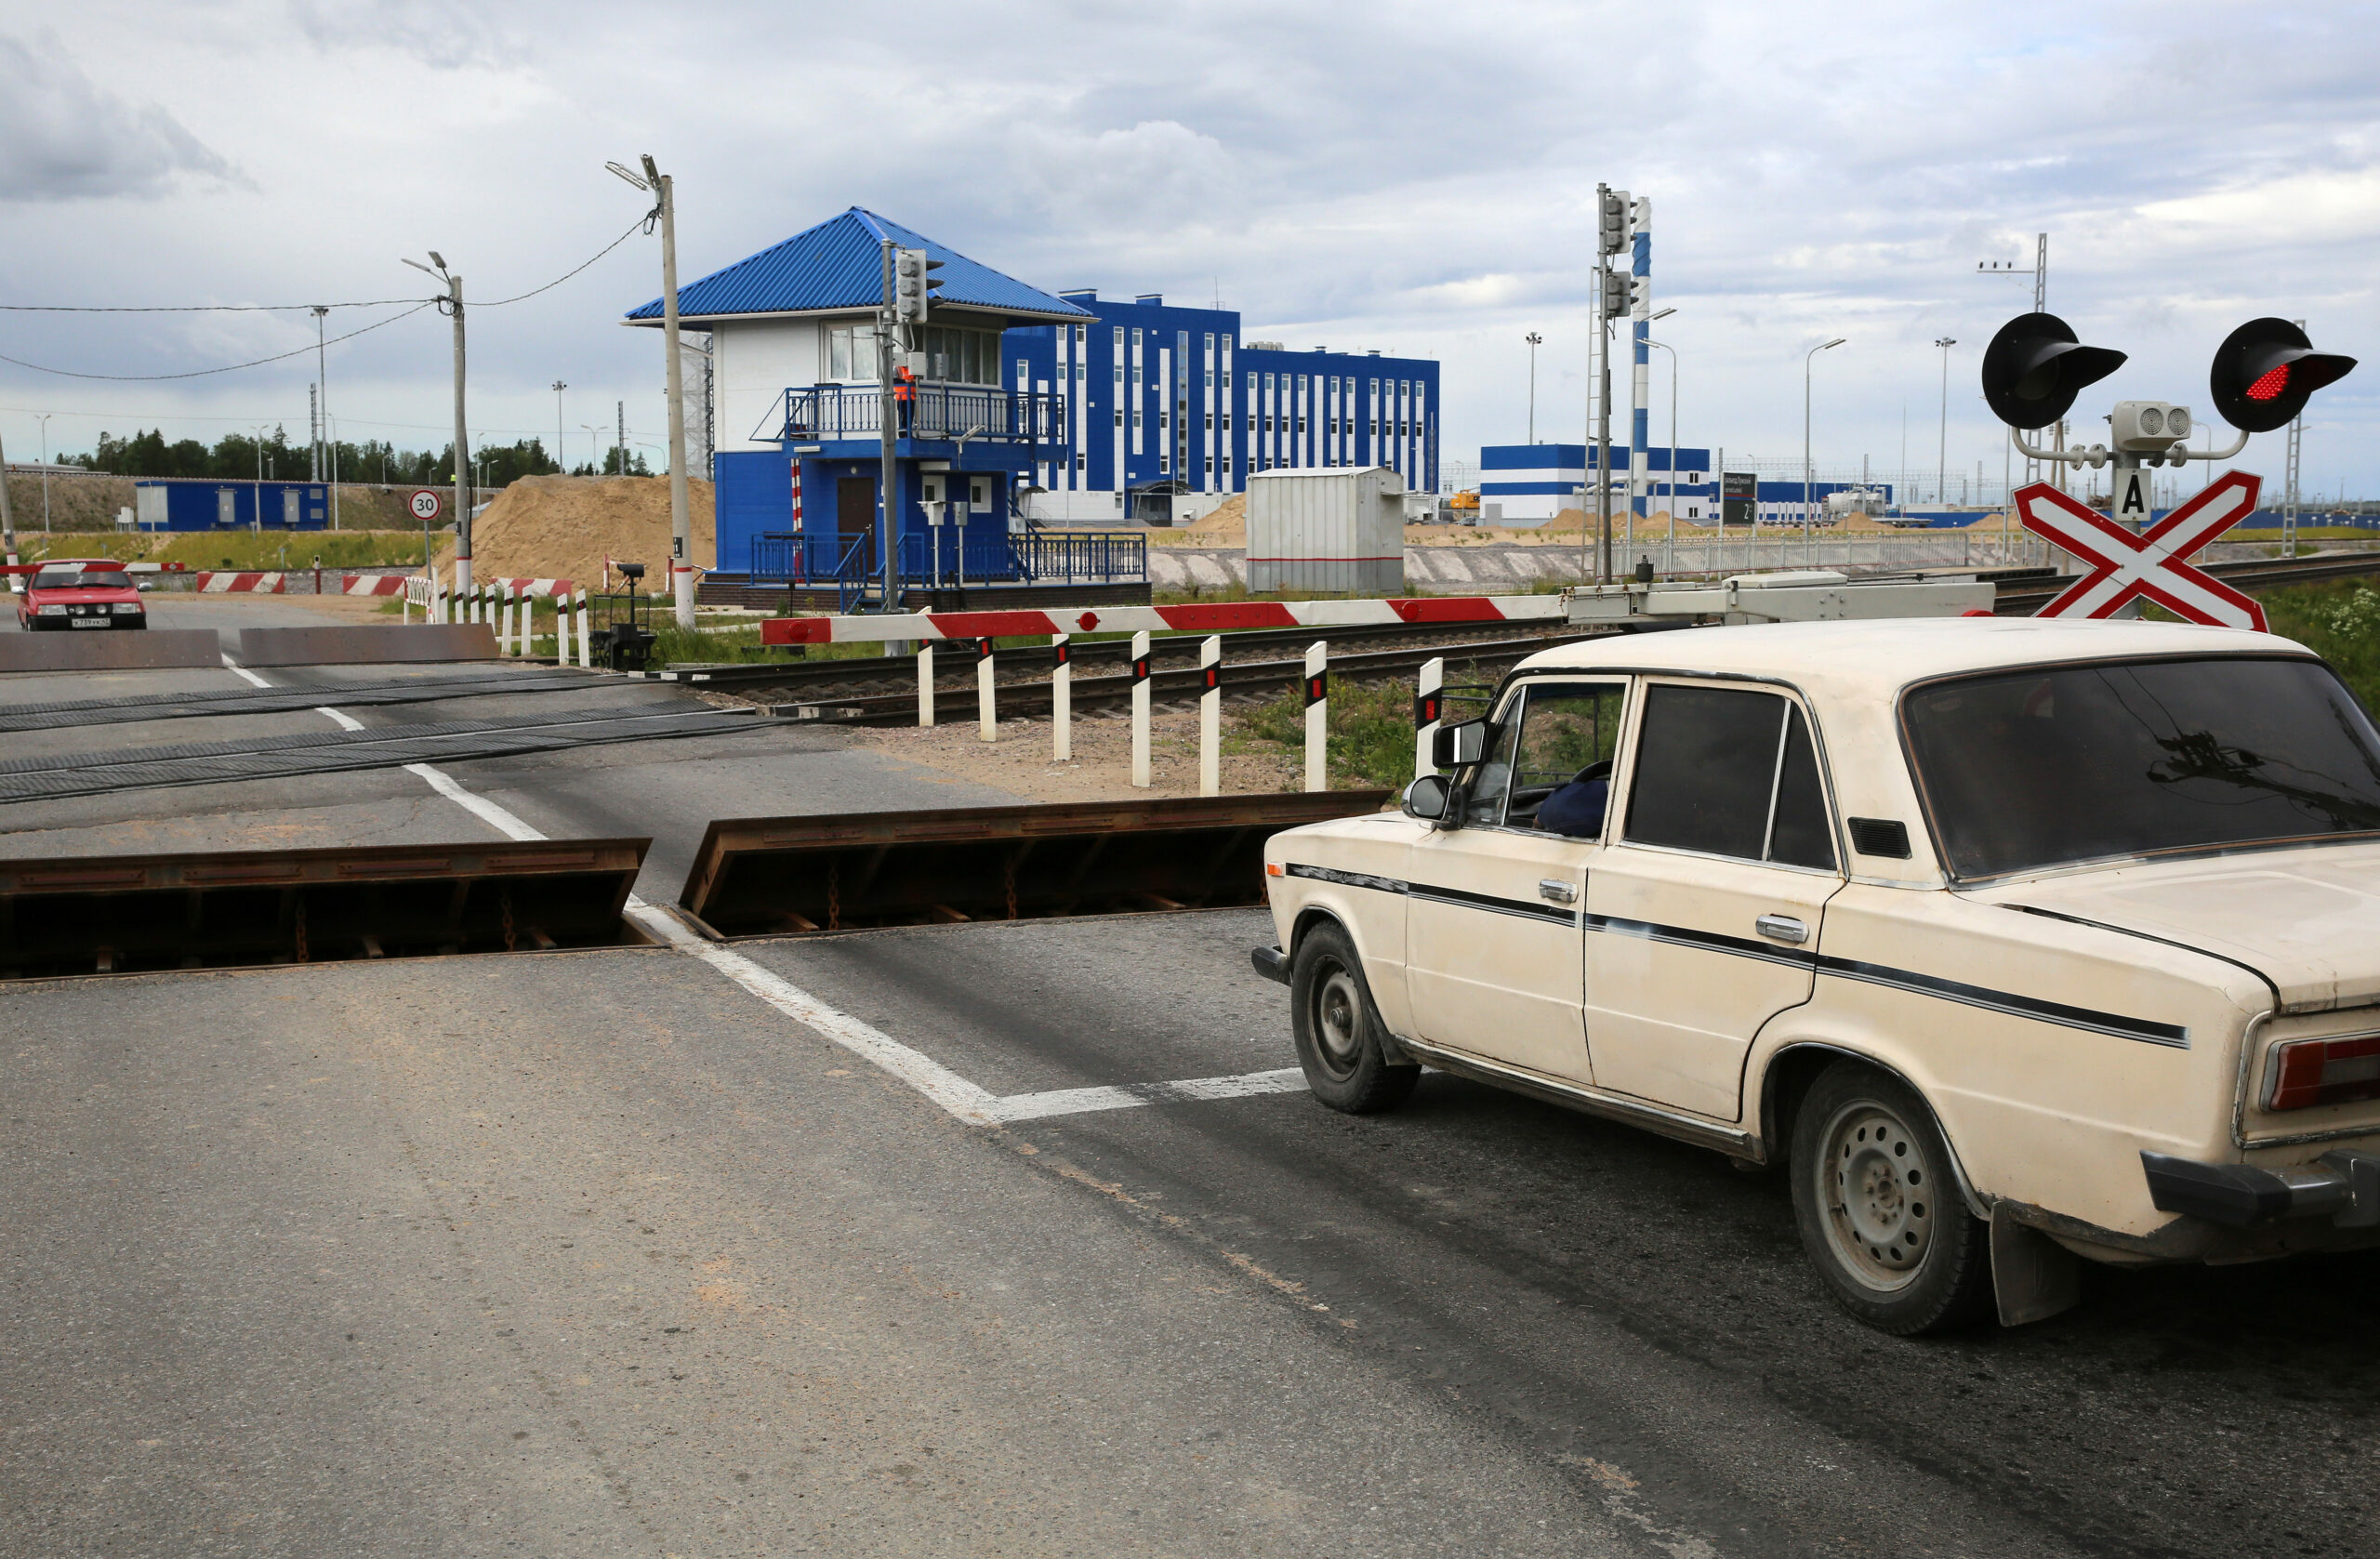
(564, 526)
(1226, 526)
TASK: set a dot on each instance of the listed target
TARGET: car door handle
(1783, 928)
(1559, 890)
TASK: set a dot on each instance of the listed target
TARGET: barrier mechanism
(1141, 709)
(130, 914)
(1317, 715)
(1206, 617)
(378, 645)
(798, 875)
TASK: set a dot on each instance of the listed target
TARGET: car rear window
(2025, 770)
(82, 579)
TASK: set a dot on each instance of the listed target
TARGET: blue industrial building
(1528, 484)
(187, 504)
(1033, 406)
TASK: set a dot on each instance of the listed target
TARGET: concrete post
(1317, 715)
(1211, 718)
(987, 715)
(585, 634)
(1140, 711)
(682, 534)
(1062, 711)
(1428, 704)
(925, 685)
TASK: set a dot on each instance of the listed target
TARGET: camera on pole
(913, 285)
(2266, 370)
(2036, 365)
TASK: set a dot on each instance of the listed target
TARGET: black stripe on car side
(2113, 1023)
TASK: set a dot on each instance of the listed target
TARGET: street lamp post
(1669, 562)
(1535, 341)
(1942, 448)
(42, 417)
(1806, 359)
(594, 438)
(562, 456)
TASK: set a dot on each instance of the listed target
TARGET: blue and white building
(1167, 403)
(1061, 407)
(796, 399)
(1527, 485)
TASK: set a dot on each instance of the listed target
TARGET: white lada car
(2014, 940)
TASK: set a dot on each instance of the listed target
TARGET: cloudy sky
(1393, 175)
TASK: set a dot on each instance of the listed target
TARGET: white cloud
(63, 137)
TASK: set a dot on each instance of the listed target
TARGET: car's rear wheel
(1337, 1031)
(1880, 1210)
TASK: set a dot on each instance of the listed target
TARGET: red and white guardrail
(1216, 617)
(372, 584)
(242, 583)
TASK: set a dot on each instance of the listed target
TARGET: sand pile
(564, 526)
(1226, 526)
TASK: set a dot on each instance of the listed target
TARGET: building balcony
(941, 412)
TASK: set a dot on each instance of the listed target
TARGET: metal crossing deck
(280, 700)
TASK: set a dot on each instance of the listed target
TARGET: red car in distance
(81, 593)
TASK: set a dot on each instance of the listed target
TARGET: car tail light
(2310, 1072)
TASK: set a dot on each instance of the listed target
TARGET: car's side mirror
(1426, 798)
(1454, 745)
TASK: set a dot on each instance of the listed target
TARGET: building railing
(939, 411)
(945, 555)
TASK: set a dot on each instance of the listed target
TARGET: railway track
(2023, 599)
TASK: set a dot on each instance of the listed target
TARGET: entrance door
(226, 506)
(855, 512)
(293, 506)
(1492, 912)
(1703, 917)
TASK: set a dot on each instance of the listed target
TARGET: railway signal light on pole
(2266, 370)
(914, 284)
(2035, 367)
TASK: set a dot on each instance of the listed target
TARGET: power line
(644, 222)
(193, 308)
(229, 368)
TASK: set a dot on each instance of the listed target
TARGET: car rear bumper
(2342, 1188)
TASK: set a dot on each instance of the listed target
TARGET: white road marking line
(244, 673)
(344, 721)
(976, 1105)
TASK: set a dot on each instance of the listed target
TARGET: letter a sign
(2123, 566)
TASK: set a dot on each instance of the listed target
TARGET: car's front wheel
(1337, 1031)
(1880, 1211)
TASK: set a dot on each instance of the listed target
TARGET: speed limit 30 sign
(426, 505)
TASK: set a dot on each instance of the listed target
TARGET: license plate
(87, 622)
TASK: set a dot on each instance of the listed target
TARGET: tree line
(245, 457)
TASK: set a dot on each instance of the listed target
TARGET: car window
(1483, 804)
(83, 578)
(1566, 730)
(1728, 772)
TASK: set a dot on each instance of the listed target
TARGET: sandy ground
(1101, 768)
(546, 527)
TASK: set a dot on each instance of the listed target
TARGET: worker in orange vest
(905, 395)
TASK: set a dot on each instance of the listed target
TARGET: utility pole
(43, 418)
(1942, 447)
(682, 544)
(7, 516)
(451, 306)
(561, 464)
(620, 410)
(313, 434)
(887, 428)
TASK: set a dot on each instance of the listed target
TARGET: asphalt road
(600, 1253)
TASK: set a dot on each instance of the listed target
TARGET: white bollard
(1062, 701)
(516, 618)
(987, 715)
(1428, 704)
(479, 604)
(1317, 715)
(1211, 718)
(562, 628)
(925, 683)
(1141, 709)
(585, 634)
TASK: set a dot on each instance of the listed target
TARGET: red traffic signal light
(2035, 367)
(2264, 372)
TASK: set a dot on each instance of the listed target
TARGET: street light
(561, 460)
(1669, 563)
(42, 417)
(594, 435)
(1806, 359)
(1535, 341)
(1942, 450)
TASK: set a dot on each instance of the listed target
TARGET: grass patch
(240, 551)
(2338, 619)
(1370, 726)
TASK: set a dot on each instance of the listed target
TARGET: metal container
(1327, 529)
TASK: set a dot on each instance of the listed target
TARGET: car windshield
(82, 579)
(2045, 768)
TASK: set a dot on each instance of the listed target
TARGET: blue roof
(838, 264)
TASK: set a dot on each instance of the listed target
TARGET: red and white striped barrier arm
(373, 585)
(216, 583)
(542, 587)
(1218, 617)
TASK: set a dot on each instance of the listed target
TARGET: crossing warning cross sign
(2123, 566)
